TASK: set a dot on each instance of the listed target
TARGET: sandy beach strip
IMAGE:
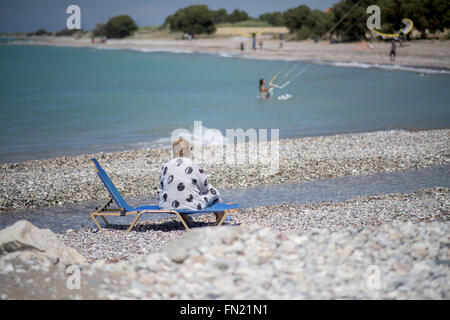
(65, 180)
(425, 53)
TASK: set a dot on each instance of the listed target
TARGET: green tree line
(429, 16)
(197, 19)
(346, 19)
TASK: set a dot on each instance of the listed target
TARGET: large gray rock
(24, 240)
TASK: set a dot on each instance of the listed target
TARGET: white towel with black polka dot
(184, 185)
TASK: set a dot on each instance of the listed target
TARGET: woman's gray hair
(181, 148)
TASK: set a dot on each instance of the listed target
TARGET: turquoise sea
(57, 101)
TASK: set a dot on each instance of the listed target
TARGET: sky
(31, 15)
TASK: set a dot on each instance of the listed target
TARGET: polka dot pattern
(178, 162)
(185, 186)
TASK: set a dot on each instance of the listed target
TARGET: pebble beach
(428, 205)
(60, 181)
(377, 247)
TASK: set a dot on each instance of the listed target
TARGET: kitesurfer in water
(265, 91)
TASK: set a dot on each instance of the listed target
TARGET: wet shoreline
(66, 180)
(414, 54)
(339, 189)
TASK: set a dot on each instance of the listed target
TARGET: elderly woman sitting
(183, 184)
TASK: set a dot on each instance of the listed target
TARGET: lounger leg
(134, 222)
(105, 205)
(106, 221)
(182, 220)
(186, 219)
(98, 224)
(220, 217)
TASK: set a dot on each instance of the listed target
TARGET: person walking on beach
(254, 41)
(265, 91)
(393, 50)
(281, 36)
(183, 184)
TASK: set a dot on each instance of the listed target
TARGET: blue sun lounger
(220, 210)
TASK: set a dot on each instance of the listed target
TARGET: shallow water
(57, 101)
(75, 216)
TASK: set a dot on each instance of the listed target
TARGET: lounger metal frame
(103, 211)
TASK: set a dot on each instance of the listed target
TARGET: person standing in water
(265, 91)
(393, 50)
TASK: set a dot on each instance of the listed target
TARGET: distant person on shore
(393, 52)
(183, 184)
(265, 91)
(260, 44)
(254, 41)
(242, 46)
(282, 40)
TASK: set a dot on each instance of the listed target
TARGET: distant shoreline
(425, 56)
